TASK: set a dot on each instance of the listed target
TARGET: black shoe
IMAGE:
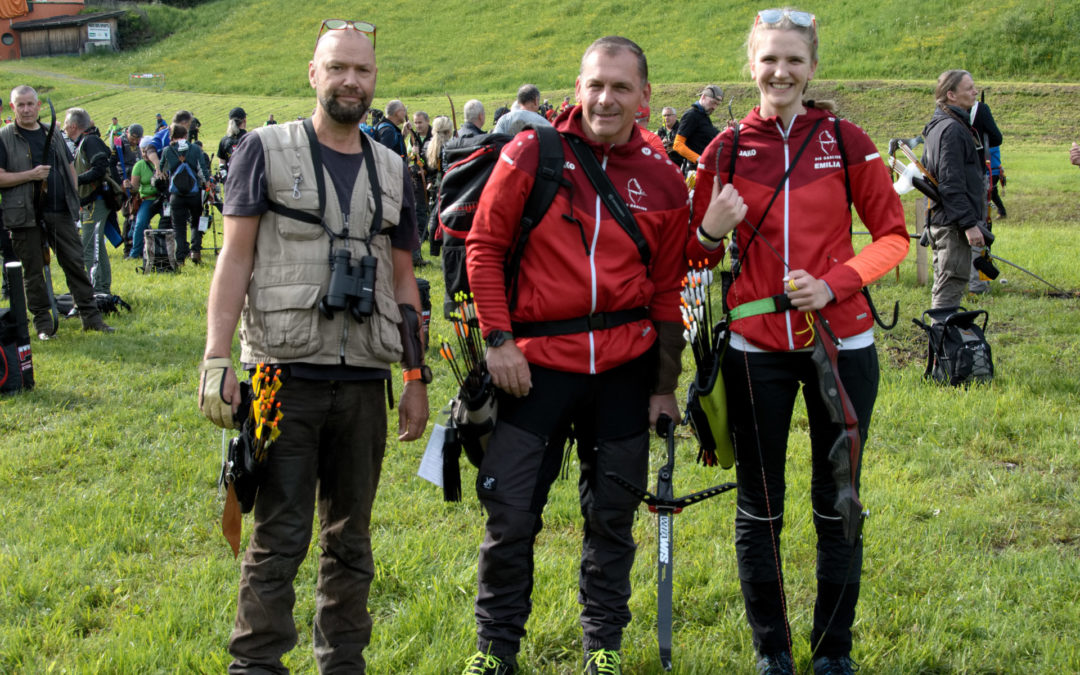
(775, 664)
(99, 326)
(489, 664)
(835, 665)
(603, 662)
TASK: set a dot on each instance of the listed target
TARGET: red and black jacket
(578, 260)
(809, 223)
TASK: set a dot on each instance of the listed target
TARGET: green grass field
(111, 558)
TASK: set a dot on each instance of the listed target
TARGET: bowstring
(757, 432)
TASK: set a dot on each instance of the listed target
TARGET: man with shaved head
(332, 324)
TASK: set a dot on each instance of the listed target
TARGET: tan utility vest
(281, 322)
(18, 201)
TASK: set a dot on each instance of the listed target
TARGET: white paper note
(432, 462)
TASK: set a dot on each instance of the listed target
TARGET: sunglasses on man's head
(364, 27)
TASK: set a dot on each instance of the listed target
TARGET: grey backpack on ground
(159, 252)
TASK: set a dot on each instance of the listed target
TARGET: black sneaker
(482, 663)
(775, 664)
(603, 662)
(835, 665)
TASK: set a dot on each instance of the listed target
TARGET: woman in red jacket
(782, 185)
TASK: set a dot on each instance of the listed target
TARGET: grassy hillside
(258, 47)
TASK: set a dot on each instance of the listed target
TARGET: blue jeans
(147, 209)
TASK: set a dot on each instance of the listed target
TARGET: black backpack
(469, 163)
(957, 351)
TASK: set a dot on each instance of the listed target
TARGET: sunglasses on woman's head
(771, 17)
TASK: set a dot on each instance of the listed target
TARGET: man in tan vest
(332, 324)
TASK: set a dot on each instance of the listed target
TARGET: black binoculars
(352, 287)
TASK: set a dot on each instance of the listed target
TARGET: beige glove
(212, 401)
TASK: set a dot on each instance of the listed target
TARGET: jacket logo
(748, 153)
(828, 143)
(569, 165)
(633, 188)
(488, 483)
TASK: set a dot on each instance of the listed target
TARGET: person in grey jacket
(953, 157)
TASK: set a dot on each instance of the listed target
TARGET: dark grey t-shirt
(246, 193)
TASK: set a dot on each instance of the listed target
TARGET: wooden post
(921, 269)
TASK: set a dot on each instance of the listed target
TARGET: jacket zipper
(786, 135)
(592, 272)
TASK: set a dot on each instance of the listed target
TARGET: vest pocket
(382, 338)
(296, 230)
(288, 318)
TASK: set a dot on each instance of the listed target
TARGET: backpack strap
(611, 198)
(548, 180)
(847, 187)
(843, 159)
(734, 153)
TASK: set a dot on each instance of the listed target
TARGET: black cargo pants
(609, 415)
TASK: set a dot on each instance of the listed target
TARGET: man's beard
(343, 114)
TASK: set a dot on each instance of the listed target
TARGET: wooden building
(52, 28)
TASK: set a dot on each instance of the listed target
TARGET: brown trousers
(333, 435)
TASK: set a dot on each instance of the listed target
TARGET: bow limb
(453, 113)
(46, 156)
(846, 450)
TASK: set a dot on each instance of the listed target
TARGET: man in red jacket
(592, 340)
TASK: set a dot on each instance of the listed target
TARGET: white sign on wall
(98, 31)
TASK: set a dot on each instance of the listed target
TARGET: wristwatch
(497, 337)
(421, 373)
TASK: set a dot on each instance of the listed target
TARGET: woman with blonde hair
(781, 184)
(442, 130)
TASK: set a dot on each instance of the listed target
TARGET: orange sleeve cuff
(878, 257)
(679, 146)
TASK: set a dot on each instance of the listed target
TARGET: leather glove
(212, 401)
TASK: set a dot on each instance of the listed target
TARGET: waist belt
(775, 303)
(581, 324)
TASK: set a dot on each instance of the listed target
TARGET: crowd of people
(592, 349)
(119, 172)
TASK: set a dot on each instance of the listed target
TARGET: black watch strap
(496, 338)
